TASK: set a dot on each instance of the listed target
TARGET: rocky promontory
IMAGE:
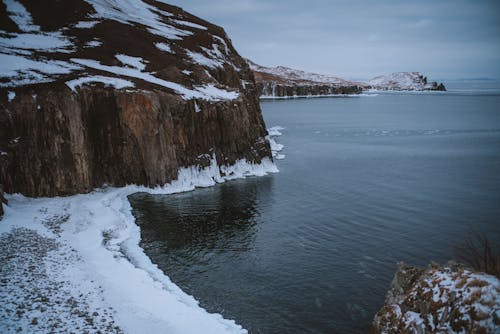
(440, 299)
(280, 81)
(405, 81)
(117, 93)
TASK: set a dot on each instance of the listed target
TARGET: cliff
(287, 82)
(118, 92)
(440, 299)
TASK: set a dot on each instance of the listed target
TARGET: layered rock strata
(118, 92)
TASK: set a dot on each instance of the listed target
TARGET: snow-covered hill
(412, 81)
(283, 81)
(287, 82)
(289, 75)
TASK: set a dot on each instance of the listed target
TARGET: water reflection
(184, 233)
(313, 248)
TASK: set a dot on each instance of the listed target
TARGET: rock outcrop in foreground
(117, 92)
(282, 81)
(440, 299)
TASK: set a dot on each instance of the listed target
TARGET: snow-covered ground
(73, 264)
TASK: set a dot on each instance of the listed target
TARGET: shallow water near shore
(366, 182)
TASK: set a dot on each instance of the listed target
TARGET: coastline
(270, 97)
(368, 93)
(100, 229)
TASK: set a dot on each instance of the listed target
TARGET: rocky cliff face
(287, 82)
(440, 299)
(118, 92)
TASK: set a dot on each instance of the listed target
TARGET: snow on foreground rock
(446, 299)
(74, 264)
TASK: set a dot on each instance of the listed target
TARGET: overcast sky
(445, 39)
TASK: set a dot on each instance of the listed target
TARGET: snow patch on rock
(108, 81)
(136, 12)
(134, 62)
(164, 47)
(206, 92)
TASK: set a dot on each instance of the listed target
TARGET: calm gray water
(367, 182)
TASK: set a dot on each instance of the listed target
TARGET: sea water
(366, 182)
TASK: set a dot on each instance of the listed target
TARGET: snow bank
(101, 229)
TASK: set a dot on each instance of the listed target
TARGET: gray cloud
(361, 39)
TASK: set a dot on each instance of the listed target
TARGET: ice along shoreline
(109, 265)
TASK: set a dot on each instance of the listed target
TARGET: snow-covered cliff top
(125, 44)
(289, 75)
(400, 81)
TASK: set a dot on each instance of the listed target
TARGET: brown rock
(56, 141)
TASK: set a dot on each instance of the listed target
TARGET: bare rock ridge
(287, 82)
(118, 92)
(440, 299)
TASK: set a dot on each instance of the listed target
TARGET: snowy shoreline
(110, 269)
